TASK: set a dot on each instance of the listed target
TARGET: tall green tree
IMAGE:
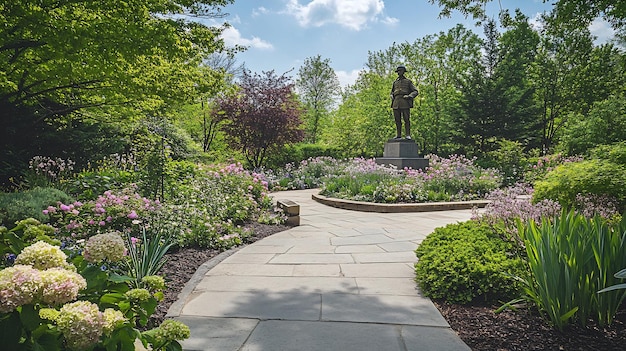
(563, 56)
(318, 87)
(438, 61)
(97, 62)
(482, 102)
(363, 121)
(498, 96)
(262, 117)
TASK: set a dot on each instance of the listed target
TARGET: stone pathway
(342, 280)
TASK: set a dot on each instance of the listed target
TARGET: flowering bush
(48, 303)
(208, 212)
(546, 164)
(42, 255)
(108, 246)
(457, 178)
(112, 211)
(308, 174)
(19, 285)
(514, 203)
(81, 323)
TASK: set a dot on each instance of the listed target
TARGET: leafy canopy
(64, 56)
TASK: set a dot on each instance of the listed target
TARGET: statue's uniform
(401, 87)
(401, 106)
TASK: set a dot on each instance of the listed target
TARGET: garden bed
(398, 207)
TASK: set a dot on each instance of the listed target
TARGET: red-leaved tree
(262, 117)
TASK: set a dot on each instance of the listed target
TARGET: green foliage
(510, 159)
(146, 255)
(318, 87)
(619, 275)
(296, 153)
(498, 98)
(29, 203)
(25, 232)
(615, 152)
(87, 185)
(364, 120)
(571, 258)
(597, 177)
(466, 261)
(604, 124)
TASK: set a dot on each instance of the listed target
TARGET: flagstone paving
(342, 280)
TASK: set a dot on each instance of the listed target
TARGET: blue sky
(281, 34)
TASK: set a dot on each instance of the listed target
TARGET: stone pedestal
(402, 153)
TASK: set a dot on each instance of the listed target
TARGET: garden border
(398, 208)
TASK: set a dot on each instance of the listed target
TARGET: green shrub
(29, 204)
(605, 123)
(88, 185)
(615, 153)
(465, 261)
(510, 159)
(596, 177)
(299, 152)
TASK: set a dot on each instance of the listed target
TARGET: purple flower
(133, 215)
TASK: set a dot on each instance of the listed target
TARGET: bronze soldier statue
(402, 94)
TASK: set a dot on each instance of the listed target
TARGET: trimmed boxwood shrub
(466, 261)
(29, 204)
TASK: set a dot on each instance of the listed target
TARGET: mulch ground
(478, 325)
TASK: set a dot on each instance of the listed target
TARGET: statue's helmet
(401, 67)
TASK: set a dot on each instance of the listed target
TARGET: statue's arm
(414, 91)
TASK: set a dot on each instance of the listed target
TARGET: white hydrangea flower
(109, 246)
(42, 255)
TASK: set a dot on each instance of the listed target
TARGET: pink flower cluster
(113, 210)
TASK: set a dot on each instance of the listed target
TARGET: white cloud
(233, 37)
(602, 30)
(536, 22)
(391, 21)
(353, 14)
(347, 78)
(259, 11)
